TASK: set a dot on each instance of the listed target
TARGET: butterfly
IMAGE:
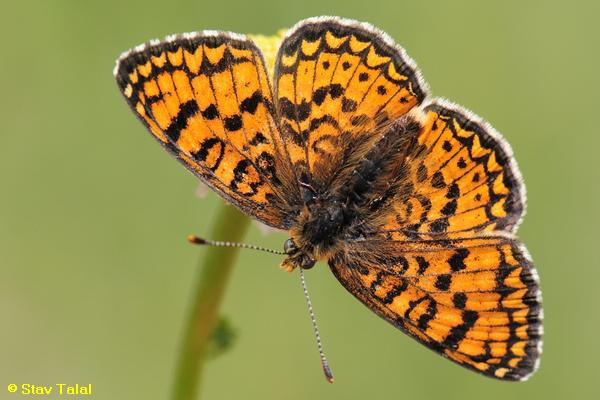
(413, 201)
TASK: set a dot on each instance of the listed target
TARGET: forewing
(336, 82)
(474, 301)
(206, 98)
(461, 179)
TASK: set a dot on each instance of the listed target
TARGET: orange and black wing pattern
(206, 98)
(336, 81)
(474, 301)
(438, 258)
(461, 180)
(440, 197)
(414, 202)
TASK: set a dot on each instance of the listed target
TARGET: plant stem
(215, 269)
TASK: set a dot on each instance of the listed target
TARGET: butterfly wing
(461, 180)
(474, 301)
(206, 98)
(336, 81)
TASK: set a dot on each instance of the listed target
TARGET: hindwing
(460, 179)
(474, 301)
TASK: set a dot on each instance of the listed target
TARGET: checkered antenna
(215, 243)
(324, 363)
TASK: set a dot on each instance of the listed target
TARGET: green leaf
(222, 338)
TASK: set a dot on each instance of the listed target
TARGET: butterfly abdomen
(380, 168)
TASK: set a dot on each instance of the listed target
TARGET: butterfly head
(296, 257)
(316, 235)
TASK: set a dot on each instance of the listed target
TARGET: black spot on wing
(424, 319)
(266, 165)
(187, 110)
(233, 123)
(449, 208)
(206, 147)
(303, 111)
(443, 281)
(395, 291)
(287, 108)
(423, 264)
(459, 332)
(412, 304)
(437, 180)
(348, 105)
(240, 173)
(251, 103)
(210, 112)
(326, 119)
(335, 90)
(453, 191)
(439, 226)
(459, 300)
(319, 95)
(457, 261)
(258, 138)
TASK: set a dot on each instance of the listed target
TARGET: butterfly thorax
(336, 214)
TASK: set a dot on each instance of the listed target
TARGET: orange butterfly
(413, 201)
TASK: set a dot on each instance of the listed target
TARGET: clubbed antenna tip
(328, 373)
(195, 239)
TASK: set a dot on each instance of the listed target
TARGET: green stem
(215, 268)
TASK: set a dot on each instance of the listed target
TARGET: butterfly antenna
(206, 242)
(324, 363)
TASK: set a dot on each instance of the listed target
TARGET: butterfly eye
(307, 263)
(289, 247)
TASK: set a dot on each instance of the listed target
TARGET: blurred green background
(95, 272)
